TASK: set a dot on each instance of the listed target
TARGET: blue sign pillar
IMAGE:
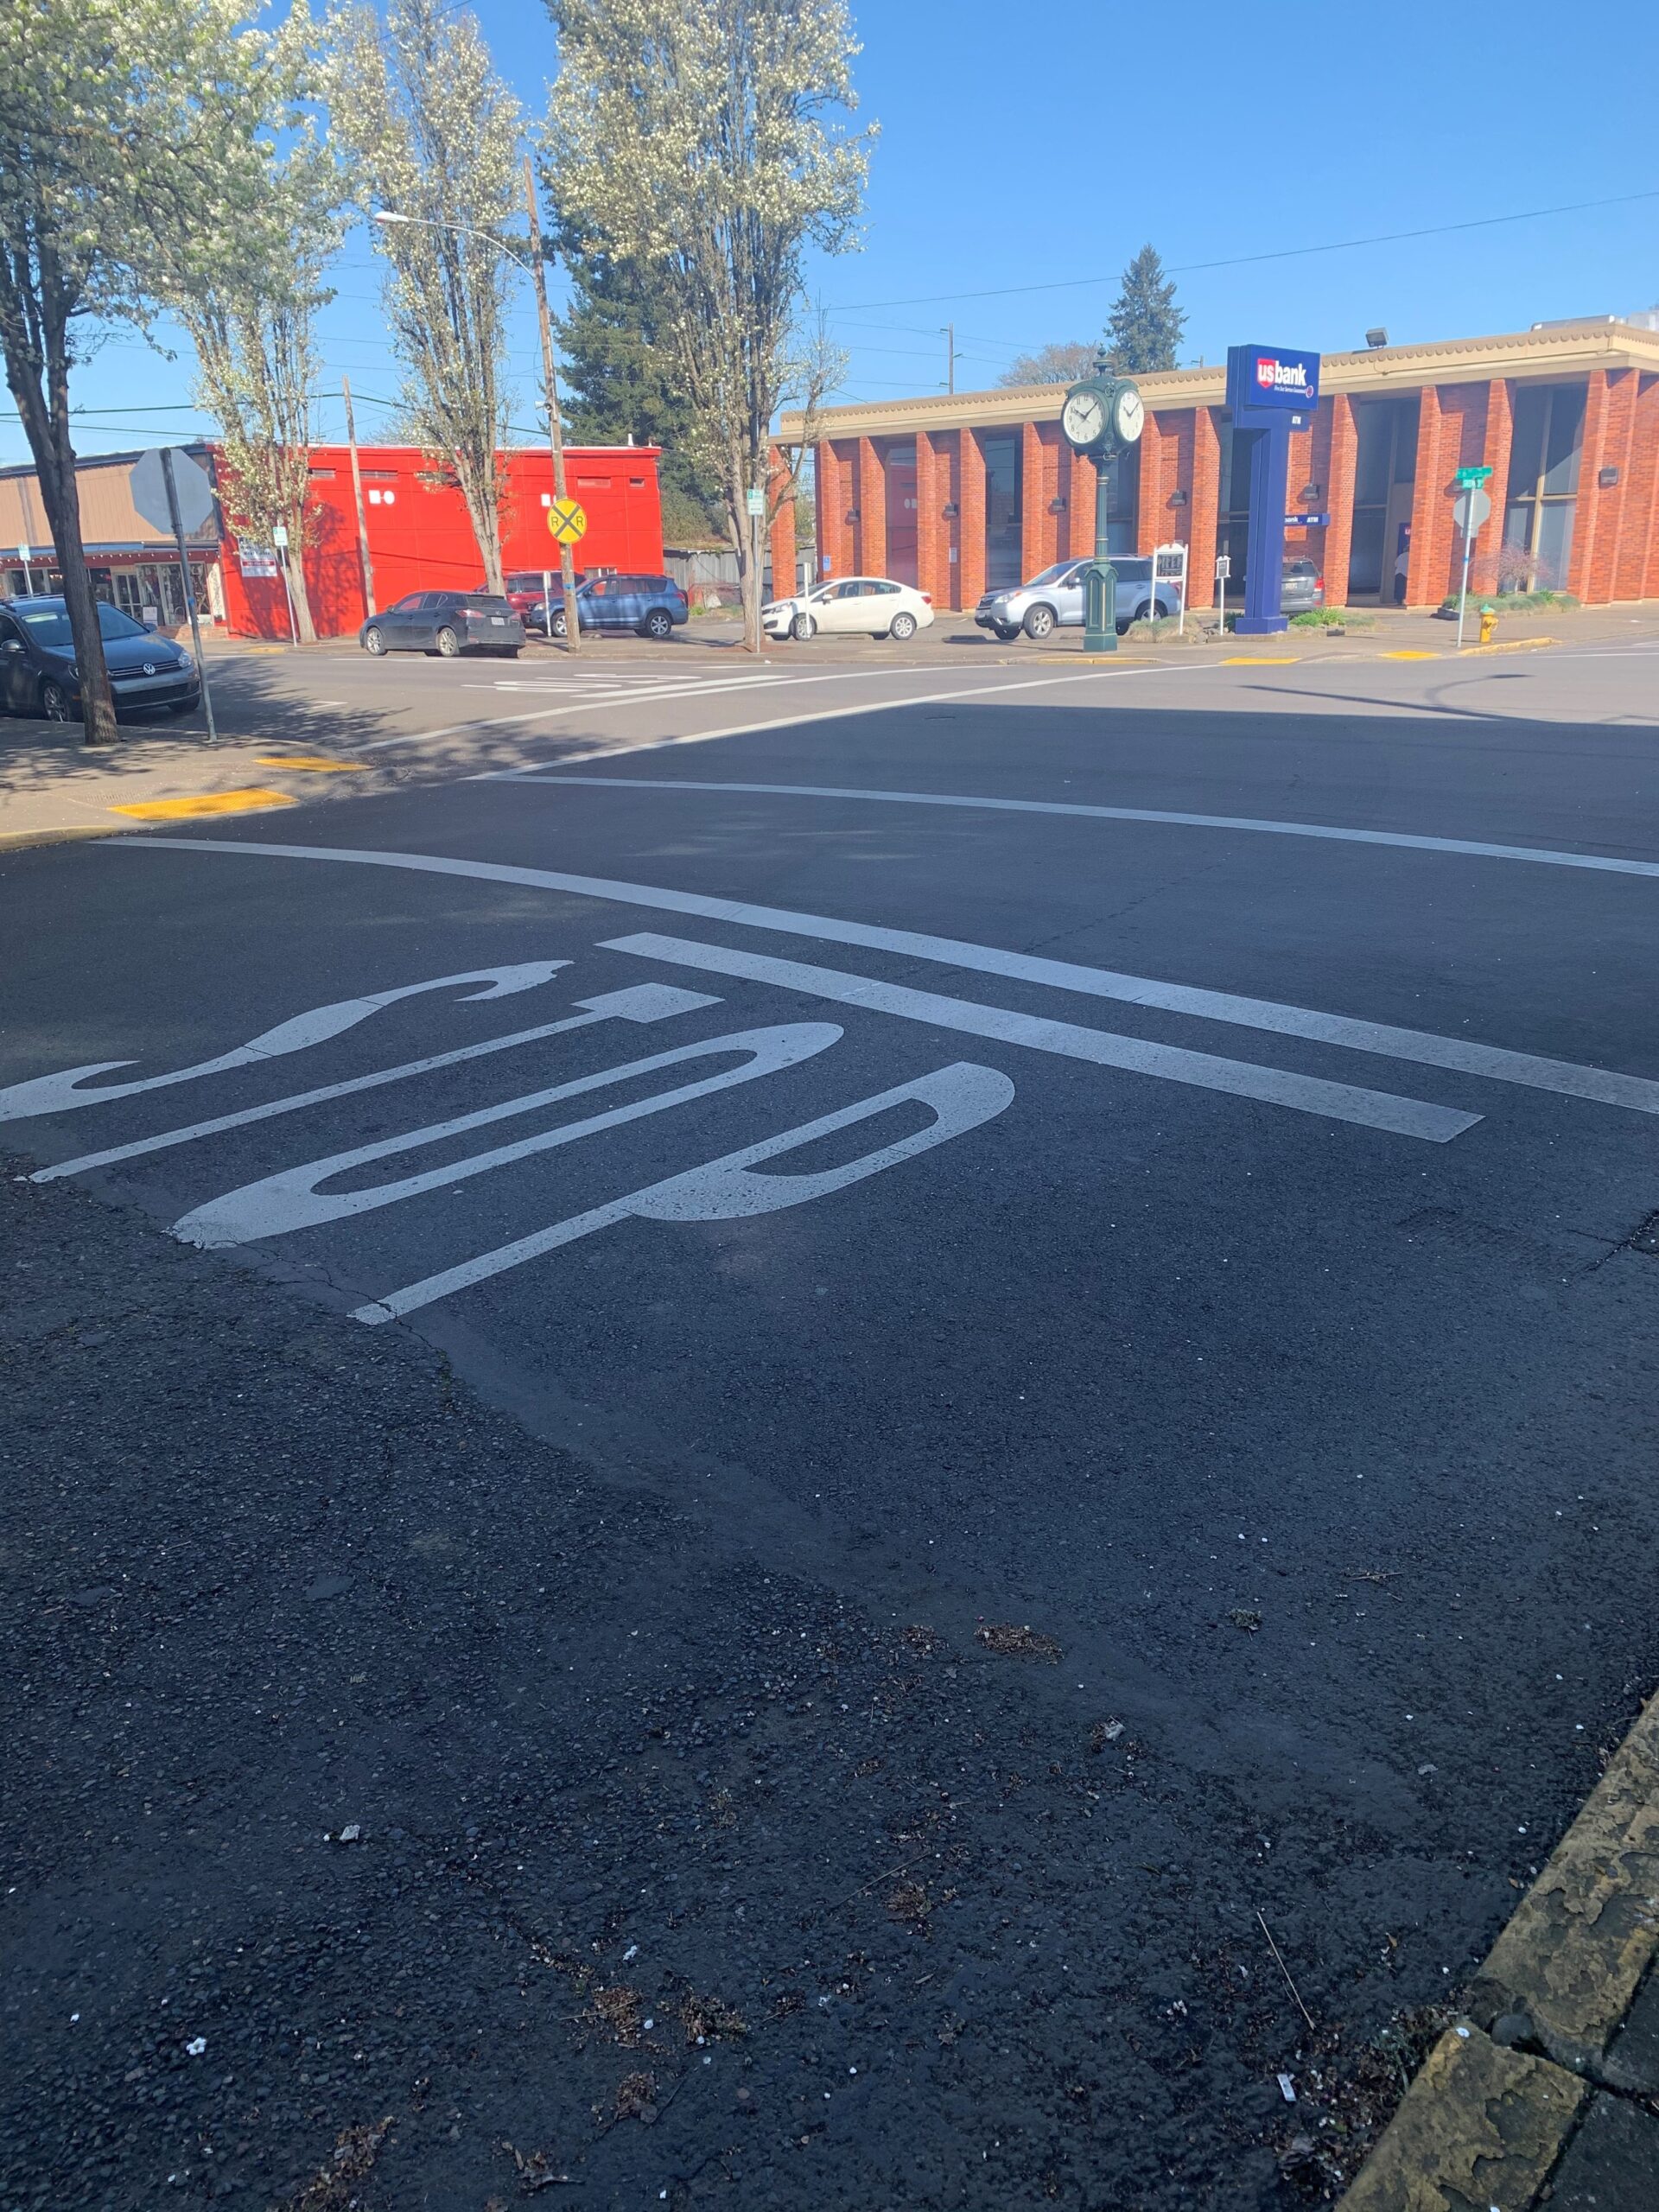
(1272, 390)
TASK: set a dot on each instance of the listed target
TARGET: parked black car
(447, 622)
(653, 605)
(38, 674)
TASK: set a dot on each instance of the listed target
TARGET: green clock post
(1103, 417)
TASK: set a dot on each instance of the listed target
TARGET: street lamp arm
(467, 230)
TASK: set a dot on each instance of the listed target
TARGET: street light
(536, 269)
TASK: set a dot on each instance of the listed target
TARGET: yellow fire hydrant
(1488, 624)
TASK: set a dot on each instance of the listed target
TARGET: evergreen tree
(1145, 326)
(618, 382)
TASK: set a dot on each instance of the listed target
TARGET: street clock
(1103, 416)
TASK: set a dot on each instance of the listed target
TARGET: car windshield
(49, 623)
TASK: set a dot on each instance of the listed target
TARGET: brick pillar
(1151, 491)
(872, 505)
(1033, 519)
(1590, 519)
(1494, 453)
(1079, 506)
(1339, 500)
(1423, 589)
(1601, 577)
(1638, 532)
(970, 527)
(781, 494)
(931, 569)
(1204, 510)
(835, 539)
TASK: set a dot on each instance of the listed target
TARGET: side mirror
(11, 645)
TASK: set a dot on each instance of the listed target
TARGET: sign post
(28, 581)
(279, 539)
(1224, 570)
(172, 491)
(1469, 510)
(1272, 390)
(555, 420)
(1169, 566)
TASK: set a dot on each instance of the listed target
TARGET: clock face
(1083, 417)
(1129, 415)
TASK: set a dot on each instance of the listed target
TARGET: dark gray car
(38, 674)
(446, 622)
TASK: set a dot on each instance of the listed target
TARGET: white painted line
(1339, 1101)
(653, 1004)
(744, 683)
(1568, 1079)
(1123, 814)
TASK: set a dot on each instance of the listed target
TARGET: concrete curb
(1491, 2114)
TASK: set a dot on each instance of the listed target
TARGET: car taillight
(1319, 583)
(927, 599)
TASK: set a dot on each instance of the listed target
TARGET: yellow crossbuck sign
(568, 521)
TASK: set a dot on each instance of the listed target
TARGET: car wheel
(448, 643)
(184, 706)
(902, 626)
(1006, 631)
(1038, 622)
(55, 704)
(374, 641)
(659, 624)
(1145, 612)
(802, 628)
(559, 625)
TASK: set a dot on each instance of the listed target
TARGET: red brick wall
(871, 537)
(1339, 500)
(1637, 574)
(834, 497)
(970, 527)
(783, 524)
(1462, 445)
(1495, 439)
(1595, 516)
(1204, 508)
(1423, 590)
(1605, 559)
(1079, 485)
(1149, 514)
(1039, 475)
(931, 574)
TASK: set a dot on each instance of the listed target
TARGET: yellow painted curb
(174, 809)
(1514, 646)
(1479, 2126)
(314, 763)
(1410, 655)
(1259, 660)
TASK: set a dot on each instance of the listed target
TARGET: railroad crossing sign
(567, 519)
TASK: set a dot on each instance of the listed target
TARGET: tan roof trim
(1573, 352)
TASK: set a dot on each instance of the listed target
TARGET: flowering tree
(129, 134)
(433, 136)
(692, 137)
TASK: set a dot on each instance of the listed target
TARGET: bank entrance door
(1385, 464)
(899, 470)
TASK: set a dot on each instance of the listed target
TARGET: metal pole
(554, 426)
(288, 595)
(28, 581)
(357, 494)
(189, 595)
(1463, 590)
(950, 356)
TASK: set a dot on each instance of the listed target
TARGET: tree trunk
(46, 424)
(483, 510)
(304, 623)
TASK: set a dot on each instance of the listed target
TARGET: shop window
(1544, 453)
(899, 474)
(1000, 449)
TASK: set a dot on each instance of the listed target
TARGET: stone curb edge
(1494, 2104)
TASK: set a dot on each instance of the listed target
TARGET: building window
(1385, 467)
(1122, 501)
(1000, 449)
(321, 475)
(1543, 486)
(898, 471)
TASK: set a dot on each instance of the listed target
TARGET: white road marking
(57, 1094)
(648, 1002)
(277, 1204)
(739, 683)
(959, 1098)
(1570, 1080)
(1340, 1102)
(1403, 838)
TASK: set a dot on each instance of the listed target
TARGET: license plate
(500, 620)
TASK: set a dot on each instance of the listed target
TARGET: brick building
(968, 492)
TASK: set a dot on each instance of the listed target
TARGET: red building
(420, 537)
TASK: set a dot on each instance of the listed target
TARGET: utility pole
(950, 356)
(554, 426)
(357, 494)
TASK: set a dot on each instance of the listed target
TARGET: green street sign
(1472, 475)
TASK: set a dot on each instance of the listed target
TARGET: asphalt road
(879, 1430)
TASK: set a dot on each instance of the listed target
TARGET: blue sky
(1010, 157)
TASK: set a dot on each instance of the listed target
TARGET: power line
(1245, 260)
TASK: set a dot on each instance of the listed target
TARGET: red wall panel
(420, 537)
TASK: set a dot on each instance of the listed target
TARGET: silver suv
(1054, 600)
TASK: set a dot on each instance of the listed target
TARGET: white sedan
(871, 607)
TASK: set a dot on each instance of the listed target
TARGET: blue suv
(654, 606)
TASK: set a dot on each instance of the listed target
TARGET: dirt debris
(332, 2190)
(636, 2098)
(622, 2011)
(1009, 1641)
